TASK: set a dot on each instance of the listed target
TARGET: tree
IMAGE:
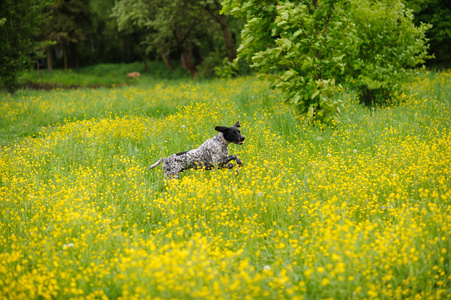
(69, 25)
(213, 7)
(18, 19)
(104, 42)
(301, 44)
(182, 27)
(176, 25)
(132, 17)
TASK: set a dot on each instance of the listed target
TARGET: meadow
(95, 76)
(360, 211)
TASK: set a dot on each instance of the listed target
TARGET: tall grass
(358, 211)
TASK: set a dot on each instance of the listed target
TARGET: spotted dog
(213, 153)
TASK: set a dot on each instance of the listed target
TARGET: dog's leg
(225, 163)
(228, 166)
(235, 158)
(171, 171)
(171, 176)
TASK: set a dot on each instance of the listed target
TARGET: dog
(213, 153)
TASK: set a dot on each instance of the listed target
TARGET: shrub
(300, 45)
(388, 44)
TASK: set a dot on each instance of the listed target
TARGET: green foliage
(163, 25)
(70, 22)
(437, 13)
(131, 16)
(302, 49)
(206, 70)
(227, 69)
(388, 44)
(105, 44)
(186, 28)
(17, 22)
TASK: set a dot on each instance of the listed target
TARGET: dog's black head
(232, 134)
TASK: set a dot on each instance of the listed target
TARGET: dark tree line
(72, 33)
(191, 33)
(437, 13)
(93, 31)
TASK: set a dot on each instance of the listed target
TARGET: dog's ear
(220, 128)
(237, 124)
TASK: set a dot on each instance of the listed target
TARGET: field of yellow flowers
(357, 211)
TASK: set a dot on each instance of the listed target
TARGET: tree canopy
(176, 26)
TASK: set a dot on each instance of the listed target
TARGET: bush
(206, 70)
(388, 44)
(300, 45)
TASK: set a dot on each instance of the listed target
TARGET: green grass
(104, 75)
(26, 112)
(357, 211)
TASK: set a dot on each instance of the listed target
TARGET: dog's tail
(156, 164)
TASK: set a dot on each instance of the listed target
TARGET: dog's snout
(242, 138)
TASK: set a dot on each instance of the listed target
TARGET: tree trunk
(76, 56)
(65, 58)
(437, 53)
(222, 20)
(166, 60)
(183, 63)
(188, 63)
(49, 60)
(184, 48)
(144, 57)
(230, 47)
